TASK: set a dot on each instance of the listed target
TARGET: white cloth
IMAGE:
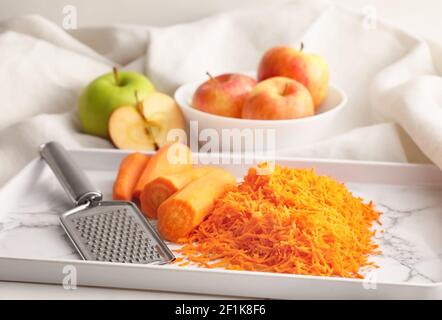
(394, 111)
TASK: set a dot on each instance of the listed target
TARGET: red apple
(309, 69)
(278, 98)
(223, 95)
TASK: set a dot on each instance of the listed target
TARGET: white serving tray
(33, 247)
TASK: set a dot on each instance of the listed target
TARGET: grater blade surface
(114, 231)
(111, 231)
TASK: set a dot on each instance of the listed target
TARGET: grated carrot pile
(291, 221)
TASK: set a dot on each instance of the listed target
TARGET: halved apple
(127, 130)
(162, 114)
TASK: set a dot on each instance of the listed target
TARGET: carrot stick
(130, 171)
(161, 188)
(186, 209)
(170, 159)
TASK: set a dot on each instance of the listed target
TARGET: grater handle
(78, 187)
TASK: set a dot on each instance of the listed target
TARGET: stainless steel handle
(78, 187)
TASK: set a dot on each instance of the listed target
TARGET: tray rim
(290, 158)
(428, 166)
(220, 271)
(32, 163)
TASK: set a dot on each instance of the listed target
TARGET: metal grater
(112, 231)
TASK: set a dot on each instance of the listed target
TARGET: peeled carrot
(169, 159)
(161, 188)
(130, 171)
(186, 209)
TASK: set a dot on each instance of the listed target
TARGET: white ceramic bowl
(288, 133)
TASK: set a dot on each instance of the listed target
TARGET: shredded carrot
(177, 260)
(290, 221)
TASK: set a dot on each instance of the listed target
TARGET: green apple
(105, 94)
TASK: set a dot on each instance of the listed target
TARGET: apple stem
(301, 46)
(138, 102)
(211, 77)
(115, 71)
(155, 144)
